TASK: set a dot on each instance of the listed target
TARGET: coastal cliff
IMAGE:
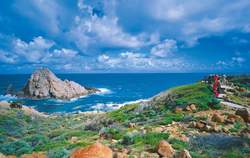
(45, 84)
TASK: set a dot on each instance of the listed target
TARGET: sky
(123, 36)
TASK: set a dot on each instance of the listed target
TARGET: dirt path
(233, 105)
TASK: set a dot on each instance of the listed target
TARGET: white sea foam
(7, 97)
(68, 101)
(113, 106)
(104, 91)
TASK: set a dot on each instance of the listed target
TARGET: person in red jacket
(215, 85)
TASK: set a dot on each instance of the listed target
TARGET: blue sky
(88, 36)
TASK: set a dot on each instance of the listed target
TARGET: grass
(178, 144)
(239, 99)
(151, 139)
(170, 117)
(237, 127)
(198, 93)
(124, 113)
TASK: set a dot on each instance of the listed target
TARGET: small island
(45, 84)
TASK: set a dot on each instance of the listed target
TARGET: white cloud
(238, 60)
(102, 31)
(137, 62)
(7, 57)
(66, 53)
(164, 49)
(45, 13)
(92, 31)
(33, 51)
(191, 20)
(233, 62)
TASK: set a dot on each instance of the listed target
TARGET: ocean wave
(113, 106)
(7, 97)
(104, 91)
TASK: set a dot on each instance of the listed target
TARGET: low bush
(150, 138)
(170, 117)
(16, 148)
(112, 133)
(58, 153)
(178, 144)
(36, 140)
(237, 127)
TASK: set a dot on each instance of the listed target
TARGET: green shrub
(58, 153)
(17, 148)
(150, 138)
(215, 104)
(128, 138)
(178, 144)
(170, 117)
(233, 154)
(37, 140)
(237, 127)
(112, 133)
(123, 114)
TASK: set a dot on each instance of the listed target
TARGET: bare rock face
(44, 84)
(96, 150)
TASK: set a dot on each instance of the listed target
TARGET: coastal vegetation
(189, 118)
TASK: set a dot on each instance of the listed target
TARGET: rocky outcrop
(165, 149)
(217, 118)
(244, 113)
(44, 84)
(191, 107)
(96, 150)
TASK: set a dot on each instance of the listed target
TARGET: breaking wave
(112, 106)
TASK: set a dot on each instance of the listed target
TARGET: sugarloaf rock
(44, 84)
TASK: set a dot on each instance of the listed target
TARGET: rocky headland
(183, 122)
(45, 84)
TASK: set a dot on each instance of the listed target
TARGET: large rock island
(44, 84)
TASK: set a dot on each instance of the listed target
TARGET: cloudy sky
(87, 36)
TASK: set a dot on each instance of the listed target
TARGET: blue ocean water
(117, 89)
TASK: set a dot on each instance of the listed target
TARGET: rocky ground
(183, 122)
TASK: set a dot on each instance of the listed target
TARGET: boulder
(217, 118)
(244, 113)
(184, 154)
(191, 108)
(200, 124)
(34, 155)
(232, 118)
(44, 84)
(96, 150)
(165, 149)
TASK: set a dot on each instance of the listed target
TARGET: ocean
(116, 90)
